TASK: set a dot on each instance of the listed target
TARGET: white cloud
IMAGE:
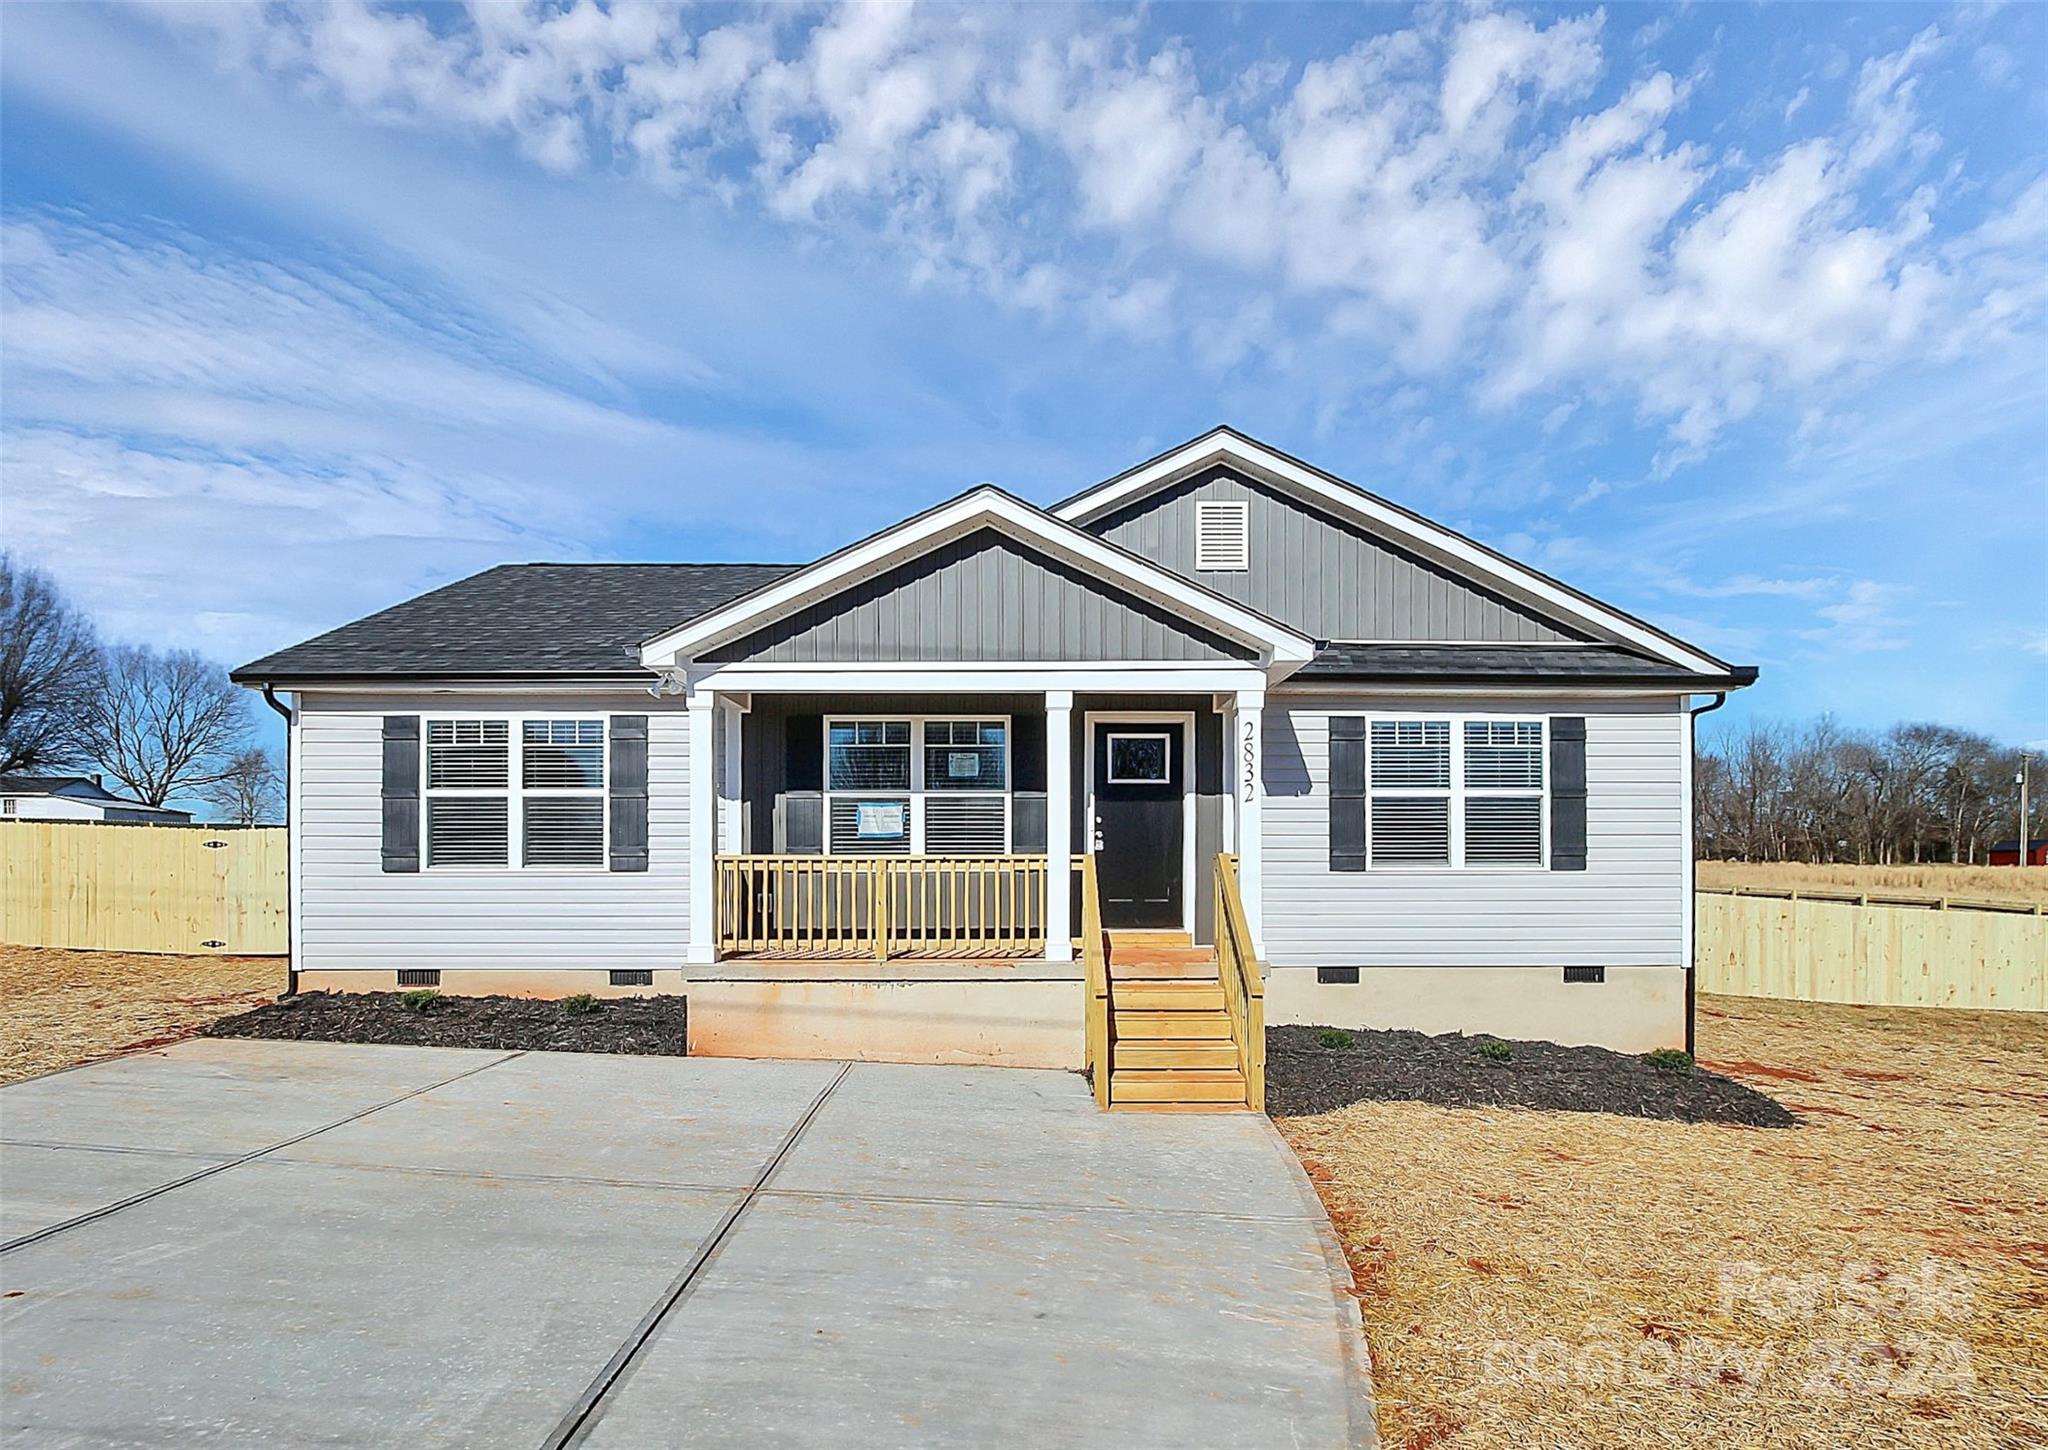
(1445, 194)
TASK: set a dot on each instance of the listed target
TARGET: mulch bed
(644, 1025)
(1305, 1077)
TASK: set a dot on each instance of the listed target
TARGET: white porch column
(703, 828)
(1248, 772)
(1059, 821)
(731, 819)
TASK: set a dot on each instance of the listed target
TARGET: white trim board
(993, 679)
(1280, 649)
(1222, 446)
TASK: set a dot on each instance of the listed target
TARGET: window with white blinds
(1410, 787)
(1455, 792)
(483, 810)
(917, 786)
(1223, 535)
(1504, 792)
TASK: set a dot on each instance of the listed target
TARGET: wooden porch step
(1146, 939)
(1148, 1085)
(1166, 996)
(1200, 968)
(1213, 1026)
(1176, 1053)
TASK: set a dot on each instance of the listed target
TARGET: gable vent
(1223, 536)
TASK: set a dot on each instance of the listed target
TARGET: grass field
(1992, 883)
(1876, 1277)
(60, 1007)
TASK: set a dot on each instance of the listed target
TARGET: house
(2007, 853)
(77, 798)
(1235, 708)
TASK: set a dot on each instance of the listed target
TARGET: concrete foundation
(993, 1023)
(1636, 1009)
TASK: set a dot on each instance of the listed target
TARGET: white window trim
(515, 794)
(917, 791)
(1458, 792)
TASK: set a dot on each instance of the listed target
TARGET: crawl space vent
(419, 976)
(632, 977)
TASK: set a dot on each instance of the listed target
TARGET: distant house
(898, 801)
(2007, 853)
(77, 798)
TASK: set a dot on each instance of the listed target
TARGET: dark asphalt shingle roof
(578, 619)
(1578, 664)
(589, 619)
(50, 784)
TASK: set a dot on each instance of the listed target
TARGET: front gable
(984, 578)
(1460, 583)
(983, 598)
(1328, 577)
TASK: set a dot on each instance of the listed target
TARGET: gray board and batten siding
(983, 598)
(1322, 575)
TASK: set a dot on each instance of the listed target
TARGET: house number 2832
(1251, 758)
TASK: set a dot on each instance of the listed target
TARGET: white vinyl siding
(1625, 909)
(353, 914)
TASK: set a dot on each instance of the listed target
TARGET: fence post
(879, 896)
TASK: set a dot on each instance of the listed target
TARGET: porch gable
(983, 598)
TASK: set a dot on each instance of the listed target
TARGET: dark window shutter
(629, 792)
(1347, 792)
(401, 793)
(1568, 793)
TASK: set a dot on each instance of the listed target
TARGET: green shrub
(1494, 1050)
(1336, 1038)
(1670, 1059)
(580, 1005)
(420, 999)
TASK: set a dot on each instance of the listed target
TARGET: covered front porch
(941, 824)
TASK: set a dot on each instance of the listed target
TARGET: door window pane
(1138, 759)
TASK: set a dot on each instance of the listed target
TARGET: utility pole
(2026, 841)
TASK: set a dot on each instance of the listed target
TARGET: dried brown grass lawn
(1987, 883)
(63, 1007)
(1877, 1277)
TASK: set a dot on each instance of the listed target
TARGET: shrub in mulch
(1309, 1071)
(653, 1026)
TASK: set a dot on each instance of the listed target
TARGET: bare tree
(250, 792)
(165, 723)
(1917, 792)
(49, 661)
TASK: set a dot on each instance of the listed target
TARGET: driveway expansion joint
(583, 1415)
(222, 1166)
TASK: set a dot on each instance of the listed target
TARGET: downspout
(1692, 856)
(291, 958)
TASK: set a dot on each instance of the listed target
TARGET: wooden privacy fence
(1874, 949)
(881, 906)
(143, 888)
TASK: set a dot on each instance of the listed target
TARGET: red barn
(2007, 853)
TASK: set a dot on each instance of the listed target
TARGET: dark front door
(1140, 829)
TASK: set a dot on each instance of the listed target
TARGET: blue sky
(1731, 315)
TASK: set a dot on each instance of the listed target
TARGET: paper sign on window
(963, 765)
(879, 821)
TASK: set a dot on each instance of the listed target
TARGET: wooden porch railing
(1244, 989)
(881, 906)
(1096, 965)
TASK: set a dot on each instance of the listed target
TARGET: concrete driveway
(298, 1244)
